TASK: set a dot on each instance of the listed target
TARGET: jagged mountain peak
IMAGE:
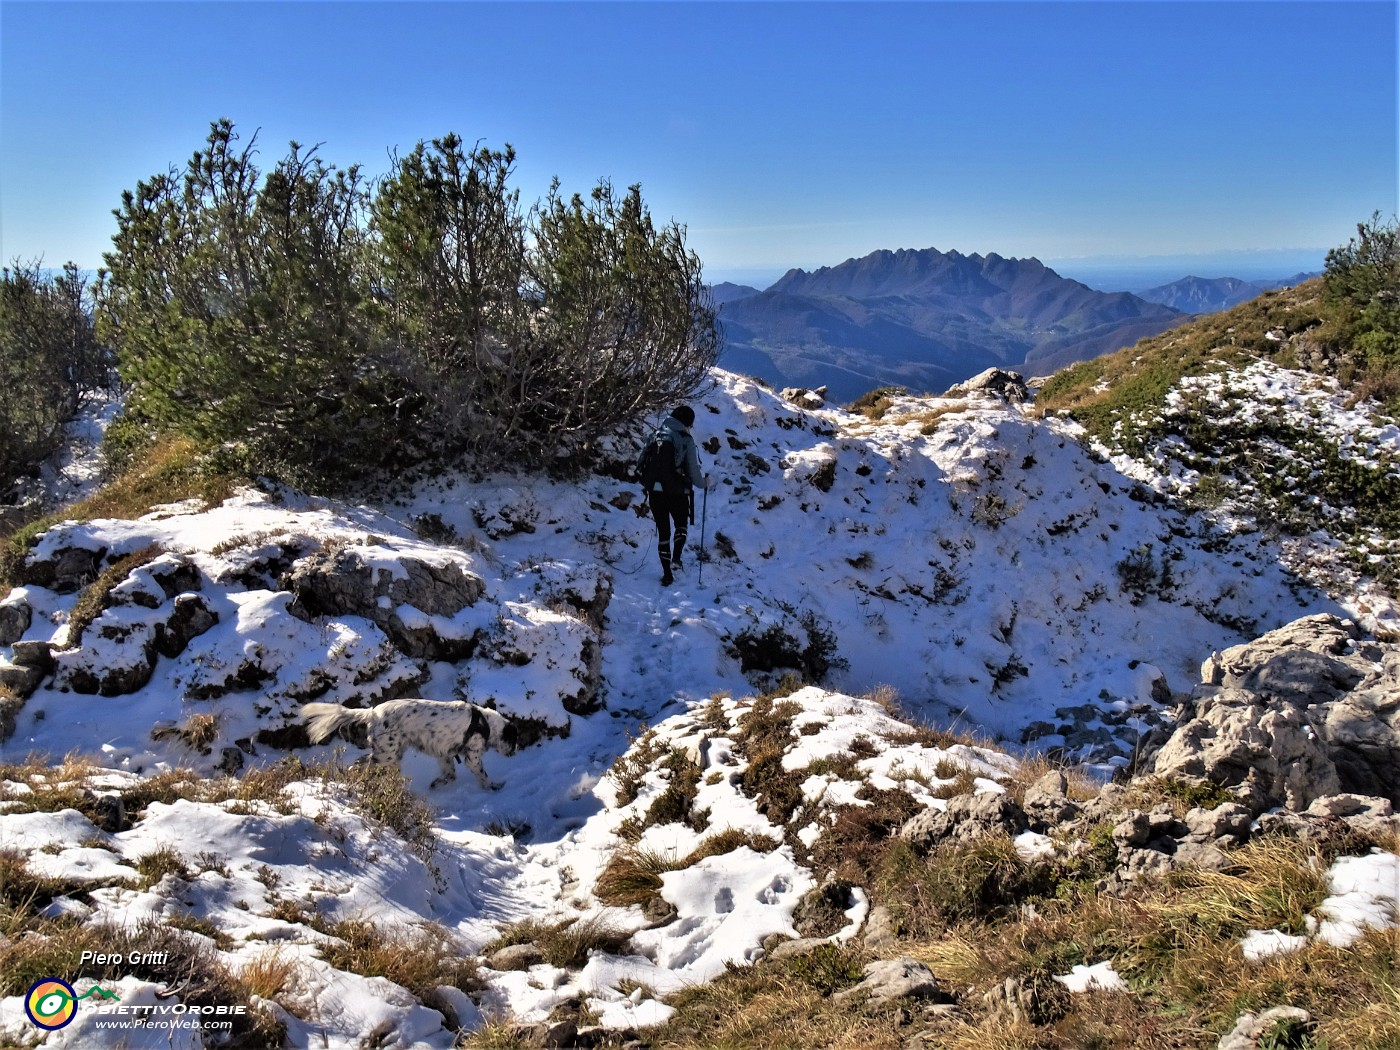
(926, 319)
(909, 271)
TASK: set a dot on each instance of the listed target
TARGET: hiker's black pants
(668, 508)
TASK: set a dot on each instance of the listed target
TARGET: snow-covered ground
(1274, 421)
(981, 562)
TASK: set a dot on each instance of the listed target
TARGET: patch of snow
(1100, 977)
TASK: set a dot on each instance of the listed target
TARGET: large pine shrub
(328, 332)
(239, 308)
(1363, 276)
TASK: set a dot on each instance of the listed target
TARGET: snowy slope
(981, 561)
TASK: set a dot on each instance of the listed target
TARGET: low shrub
(873, 404)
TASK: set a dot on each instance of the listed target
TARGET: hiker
(668, 469)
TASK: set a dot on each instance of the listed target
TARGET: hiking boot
(668, 579)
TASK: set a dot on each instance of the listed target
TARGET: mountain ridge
(1208, 295)
(925, 319)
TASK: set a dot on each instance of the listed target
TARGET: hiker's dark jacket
(687, 459)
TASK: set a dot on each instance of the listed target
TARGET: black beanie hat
(685, 414)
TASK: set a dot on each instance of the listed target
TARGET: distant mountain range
(1208, 295)
(926, 319)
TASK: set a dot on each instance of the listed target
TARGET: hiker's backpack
(657, 463)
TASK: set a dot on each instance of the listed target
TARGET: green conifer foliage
(621, 302)
(329, 333)
(451, 251)
(49, 354)
(240, 308)
(1363, 276)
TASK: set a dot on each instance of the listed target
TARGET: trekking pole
(704, 506)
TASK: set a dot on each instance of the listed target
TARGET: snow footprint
(777, 889)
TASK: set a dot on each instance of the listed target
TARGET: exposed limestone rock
(153, 584)
(881, 930)
(1046, 802)
(968, 817)
(516, 957)
(1368, 816)
(67, 570)
(996, 382)
(659, 912)
(120, 647)
(15, 618)
(117, 655)
(345, 582)
(30, 663)
(1270, 752)
(1251, 1028)
(1226, 825)
(1323, 634)
(33, 653)
(1362, 731)
(889, 979)
(1303, 712)
(190, 616)
(18, 679)
(801, 395)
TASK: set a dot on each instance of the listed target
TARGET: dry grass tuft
(156, 865)
(566, 945)
(928, 419)
(420, 959)
(633, 876)
(57, 947)
(198, 732)
(1081, 785)
(267, 975)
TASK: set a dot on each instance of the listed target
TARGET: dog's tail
(322, 720)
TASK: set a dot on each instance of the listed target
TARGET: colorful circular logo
(51, 1003)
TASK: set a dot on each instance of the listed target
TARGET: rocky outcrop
(804, 396)
(29, 664)
(967, 817)
(1304, 712)
(1270, 752)
(994, 382)
(66, 570)
(121, 646)
(1047, 802)
(346, 581)
(887, 980)
(1290, 1022)
(15, 618)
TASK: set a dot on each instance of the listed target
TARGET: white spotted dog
(447, 730)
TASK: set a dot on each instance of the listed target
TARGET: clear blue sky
(781, 134)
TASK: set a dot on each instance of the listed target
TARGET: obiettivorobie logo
(52, 1003)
